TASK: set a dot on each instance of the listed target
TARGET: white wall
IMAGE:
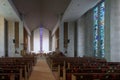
(11, 37)
(36, 43)
(53, 43)
(80, 37)
(71, 37)
(107, 30)
(115, 30)
(88, 33)
(45, 40)
(2, 51)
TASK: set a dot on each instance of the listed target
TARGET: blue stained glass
(99, 16)
(96, 31)
(101, 25)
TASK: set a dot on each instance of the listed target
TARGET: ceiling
(8, 11)
(45, 13)
(77, 8)
(41, 13)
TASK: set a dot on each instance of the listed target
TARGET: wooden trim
(16, 34)
(25, 39)
(65, 34)
(57, 38)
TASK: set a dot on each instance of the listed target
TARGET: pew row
(16, 68)
(96, 76)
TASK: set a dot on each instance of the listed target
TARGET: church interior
(59, 40)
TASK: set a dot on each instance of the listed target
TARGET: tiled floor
(41, 71)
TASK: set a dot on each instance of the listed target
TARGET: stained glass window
(99, 16)
(101, 26)
(96, 31)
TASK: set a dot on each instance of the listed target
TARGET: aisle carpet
(41, 71)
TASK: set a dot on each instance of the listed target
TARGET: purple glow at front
(41, 36)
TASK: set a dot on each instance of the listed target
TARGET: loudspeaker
(13, 40)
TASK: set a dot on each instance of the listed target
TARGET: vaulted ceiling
(43, 13)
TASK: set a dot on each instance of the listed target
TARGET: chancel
(59, 40)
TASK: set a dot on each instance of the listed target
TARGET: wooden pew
(24, 63)
(96, 76)
(10, 74)
(65, 61)
(11, 65)
(89, 69)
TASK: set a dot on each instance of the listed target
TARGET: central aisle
(41, 71)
